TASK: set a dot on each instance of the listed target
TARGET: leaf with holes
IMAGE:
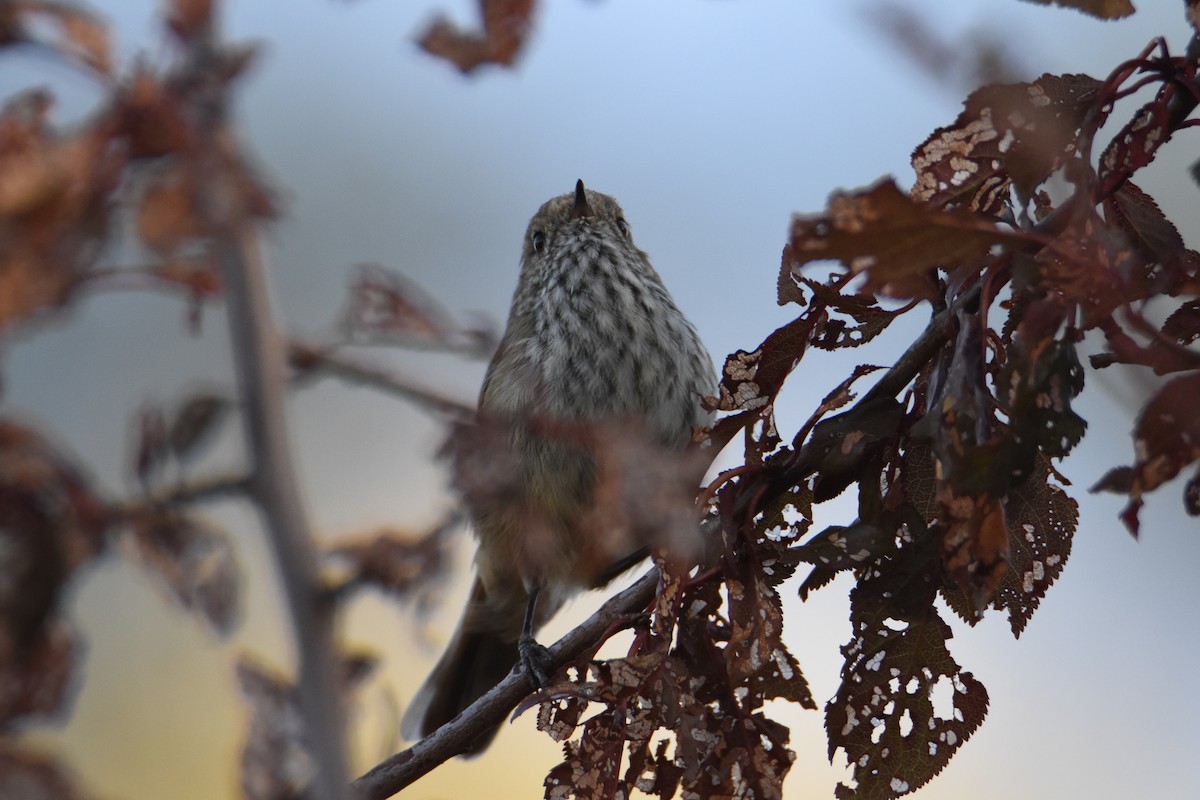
(1041, 524)
(756, 657)
(750, 380)
(1008, 133)
(890, 715)
(895, 241)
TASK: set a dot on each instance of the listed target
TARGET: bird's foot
(536, 661)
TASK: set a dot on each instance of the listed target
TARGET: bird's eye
(623, 227)
(539, 241)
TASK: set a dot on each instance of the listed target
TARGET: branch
(402, 769)
(260, 360)
(213, 487)
(308, 359)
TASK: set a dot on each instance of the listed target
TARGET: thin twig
(212, 487)
(312, 360)
(402, 769)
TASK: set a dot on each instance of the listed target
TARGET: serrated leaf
(884, 715)
(1041, 525)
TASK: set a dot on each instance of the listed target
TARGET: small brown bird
(593, 339)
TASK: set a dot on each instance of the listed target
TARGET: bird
(593, 339)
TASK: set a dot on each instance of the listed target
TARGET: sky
(712, 121)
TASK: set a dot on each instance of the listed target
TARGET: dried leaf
(886, 716)
(151, 117)
(506, 23)
(38, 683)
(1104, 9)
(1166, 439)
(26, 775)
(196, 422)
(167, 213)
(275, 761)
(405, 566)
(387, 305)
(44, 481)
(1009, 133)
(1135, 145)
(1184, 323)
(276, 764)
(895, 241)
(750, 381)
(193, 561)
(1041, 524)
(189, 18)
(54, 206)
(756, 658)
(87, 37)
(975, 546)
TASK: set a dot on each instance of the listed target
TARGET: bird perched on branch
(593, 344)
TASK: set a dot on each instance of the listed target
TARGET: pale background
(712, 122)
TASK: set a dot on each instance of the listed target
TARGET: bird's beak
(581, 208)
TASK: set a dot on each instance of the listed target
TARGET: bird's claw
(536, 661)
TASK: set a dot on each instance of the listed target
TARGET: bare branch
(213, 487)
(260, 359)
(402, 769)
(310, 360)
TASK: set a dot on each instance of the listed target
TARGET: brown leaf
(895, 241)
(276, 764)
(39, 684)
(403, 565)
(77, 33)
(87, 37)
(387, 305)
(1135, 145)
(1104, 9)
(1018, 133)
(150, 451)
(1041, 524)
(196, 422)
(506, 23)
(750, 381)
(193, 561)
(1166, 440)
(644, 495)
(44, 481)
(54, 206)
(26, 775)
(975, 543)
(189, 18)
(275, 761)
(167, 213)
(884, 715)
(756, 658)
(151, 117)
(1184, 323)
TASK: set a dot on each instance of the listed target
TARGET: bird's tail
(474, 662)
